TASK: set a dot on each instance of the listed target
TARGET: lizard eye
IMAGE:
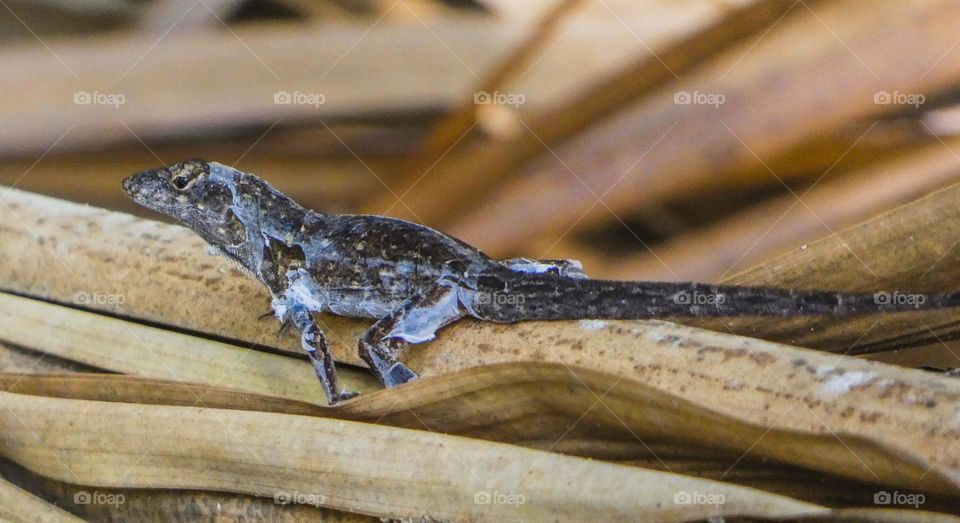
(180, 182)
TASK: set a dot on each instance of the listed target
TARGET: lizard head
(197, 193)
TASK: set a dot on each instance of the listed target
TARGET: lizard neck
(272, 227)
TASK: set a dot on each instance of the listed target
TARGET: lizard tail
(547, 297)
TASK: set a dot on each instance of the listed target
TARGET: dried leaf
(351, 466)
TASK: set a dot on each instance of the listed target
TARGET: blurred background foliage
(654, 139)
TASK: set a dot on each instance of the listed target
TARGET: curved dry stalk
(524, 415)
(869, 421)
(90, 387)
(346, 465)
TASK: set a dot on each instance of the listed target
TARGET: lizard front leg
(416, 320)
(315, 343)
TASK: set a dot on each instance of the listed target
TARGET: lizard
(414, 280)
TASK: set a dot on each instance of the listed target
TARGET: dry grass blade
(519, 404)
(120, 346)
(17, 504)
(834, 403)
(255, 62)
(646, 58)
(511, 394)
(748, 237)
(168, 505)
(459, 121)
(912, 249)
(352, 466)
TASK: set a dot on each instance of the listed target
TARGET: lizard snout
(147, 188)
(129, 183)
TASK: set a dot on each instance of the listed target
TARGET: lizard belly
(361, 302)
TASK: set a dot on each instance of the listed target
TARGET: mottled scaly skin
(368, 265)
(414, 280)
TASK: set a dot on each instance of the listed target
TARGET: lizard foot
(344, 395)
(414, 321)
(389, 371)
(398, 374)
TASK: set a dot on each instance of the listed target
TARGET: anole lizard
(414, 280)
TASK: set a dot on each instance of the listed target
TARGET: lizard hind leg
(416, 320)
(564, 268)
